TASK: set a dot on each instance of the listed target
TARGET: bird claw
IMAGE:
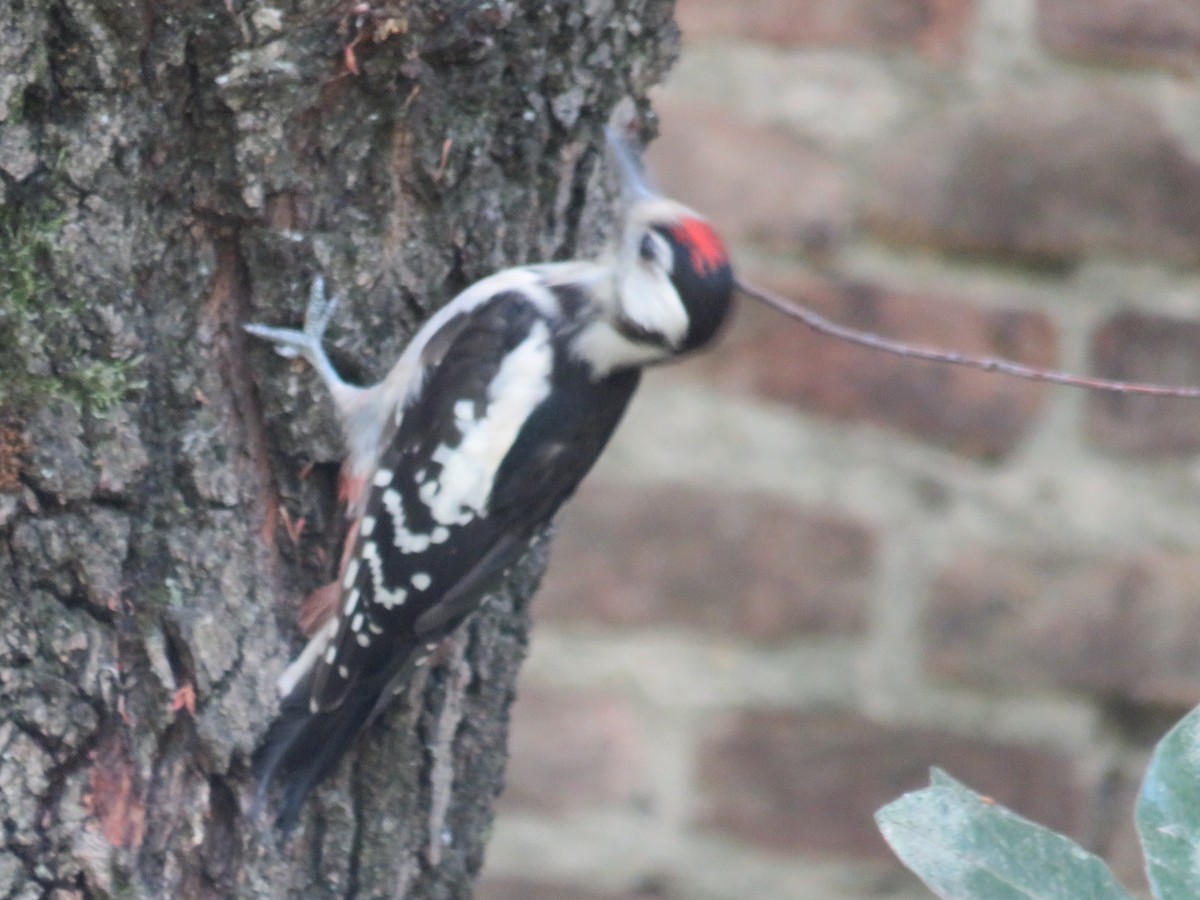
(288, 342)
(306, 343)
(291, 343)
(321, 308)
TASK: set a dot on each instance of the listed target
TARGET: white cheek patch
(469, 469)
(649, 300)
(604, 349)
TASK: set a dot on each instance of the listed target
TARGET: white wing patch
(468, 470)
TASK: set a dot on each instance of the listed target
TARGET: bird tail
(302, 748)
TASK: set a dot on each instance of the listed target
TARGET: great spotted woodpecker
(467, 448)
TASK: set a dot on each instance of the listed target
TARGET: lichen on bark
(202, 162)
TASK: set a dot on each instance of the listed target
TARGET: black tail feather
(302, 748)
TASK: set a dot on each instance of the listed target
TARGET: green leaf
(967, 847)
(1168, 813)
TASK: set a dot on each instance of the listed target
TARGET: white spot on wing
(411, 542)
(367, 527)
(363, 640)
(351, 602)
(388, 599)
(356, 623)
(421, 580)
(405, 541)
(383, 477)
(440, 535)
(351, 574)
(464, 414)
(391, 599)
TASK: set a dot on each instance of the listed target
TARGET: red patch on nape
(706, 249)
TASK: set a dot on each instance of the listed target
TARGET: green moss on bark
(37, 322)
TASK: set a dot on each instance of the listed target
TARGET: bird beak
(633, 181)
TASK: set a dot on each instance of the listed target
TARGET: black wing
(503, 430)
(429, 547)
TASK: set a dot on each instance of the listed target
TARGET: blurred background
(805, 573)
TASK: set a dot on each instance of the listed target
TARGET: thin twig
(822, 325)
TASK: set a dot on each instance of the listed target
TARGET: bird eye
(646, 249)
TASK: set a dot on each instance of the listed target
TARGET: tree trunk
(169, 171)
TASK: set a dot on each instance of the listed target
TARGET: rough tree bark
(170, 170)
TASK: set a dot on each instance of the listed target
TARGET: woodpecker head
(677, 282)
(673, 283)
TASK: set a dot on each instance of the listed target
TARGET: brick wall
(805, 573)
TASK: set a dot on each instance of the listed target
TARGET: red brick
(734, 173)
(1135, 346)
(935, 28)
(571, 750)
(1045, 177)
(974, 413)
(1118, 628)
(792, 782)
(714, 561)
(1159, 32)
